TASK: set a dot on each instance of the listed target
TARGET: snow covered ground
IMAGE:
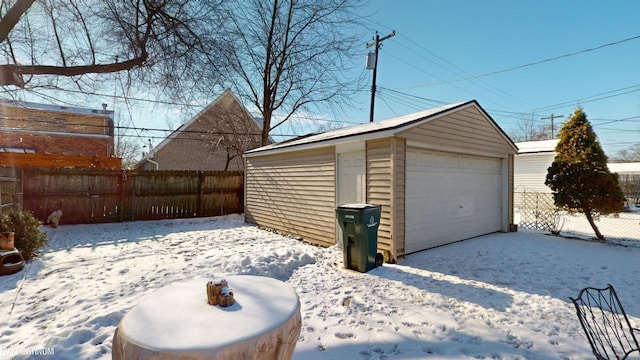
(623, 228)
(501, 296)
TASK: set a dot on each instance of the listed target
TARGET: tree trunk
(593, 226)
(266, 124)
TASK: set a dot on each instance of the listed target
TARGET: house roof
(372, 130)
(58, 108)
(542, 146)
(186, 125)
(197, 134)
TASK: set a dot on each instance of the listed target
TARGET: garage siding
(293, 193)
(379, 180)
(467, 130)
(398, 146)
(385, 186)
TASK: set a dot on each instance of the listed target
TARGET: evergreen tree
(579, 176)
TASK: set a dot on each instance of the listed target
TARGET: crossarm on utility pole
(552, 117)
(376, 43)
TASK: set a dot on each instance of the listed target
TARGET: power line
(131, 98)
(195, 132)
(486, 87)
(439, 102)
(629, 119)
(411, 104)
(530, 64)
(584, 100)
(480, 83)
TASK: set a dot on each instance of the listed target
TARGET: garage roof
(542, 146)
(372, 130)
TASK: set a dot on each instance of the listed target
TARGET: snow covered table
(176, 322)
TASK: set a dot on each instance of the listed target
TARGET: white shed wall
(529, 174)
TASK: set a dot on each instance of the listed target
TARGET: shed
(441, 175)
(530, 167)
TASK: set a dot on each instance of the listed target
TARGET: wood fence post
(133, 198)
(121, 181)
(200, 194)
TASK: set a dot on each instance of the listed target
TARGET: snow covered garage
(441, 175)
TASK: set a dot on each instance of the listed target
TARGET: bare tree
(631, 154)
(529, 129)
(128, 150)
(289, 55)
(44, 43)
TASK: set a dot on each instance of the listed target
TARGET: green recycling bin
(359, 224)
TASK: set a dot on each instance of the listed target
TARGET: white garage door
(450, 198)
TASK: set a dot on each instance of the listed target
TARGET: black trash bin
(359, 224)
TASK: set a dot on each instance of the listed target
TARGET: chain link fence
(536, 211)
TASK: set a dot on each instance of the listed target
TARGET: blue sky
(444, 49)
(441, 41)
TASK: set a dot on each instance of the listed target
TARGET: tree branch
(9, 21)
(8, 72)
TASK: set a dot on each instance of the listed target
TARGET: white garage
(441, 175)
(450, 197)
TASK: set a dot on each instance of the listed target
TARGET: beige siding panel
(399, 178)
(467, 129)
(379, 175)
(511, 191)
(293, 193)
(386, 187)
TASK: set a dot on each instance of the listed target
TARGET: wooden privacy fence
(8, 193)
(98, 196)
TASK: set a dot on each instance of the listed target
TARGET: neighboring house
(631, 168)
(39, 128)
(214, 139)
(535, 157)
(34, 134)
(629, 177)
(440, 175)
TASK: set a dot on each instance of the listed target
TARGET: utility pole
(377, 44)
(552, 117)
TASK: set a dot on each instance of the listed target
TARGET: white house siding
(293, 192)
(385, 186)
(529, 174)
(631, 168)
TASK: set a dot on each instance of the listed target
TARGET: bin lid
(357, 206)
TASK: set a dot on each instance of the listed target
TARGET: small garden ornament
(219, 293)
